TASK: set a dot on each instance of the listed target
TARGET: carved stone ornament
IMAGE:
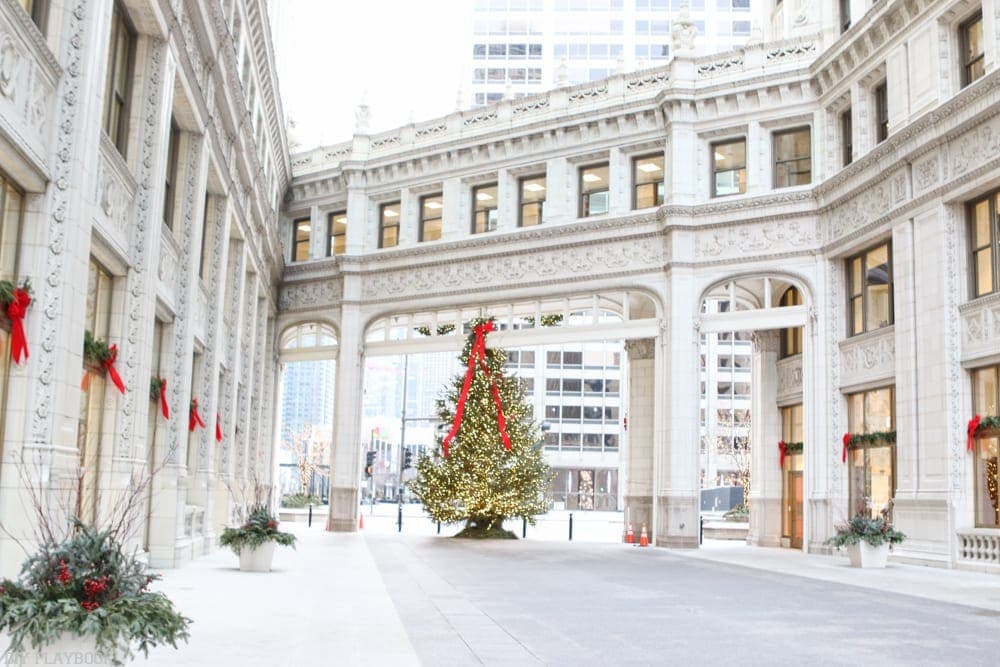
(869, 357)
(640, 348)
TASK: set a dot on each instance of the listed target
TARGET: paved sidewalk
(972, 589)
(324, 603)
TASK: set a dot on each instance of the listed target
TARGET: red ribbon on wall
(847, 441)
(782, 449)
(109, 367)
(16, 310)
(194, 419)
(218, 428)
(164, 408)
(971, 432)
(477, 355)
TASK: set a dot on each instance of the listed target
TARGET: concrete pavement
(380, 598)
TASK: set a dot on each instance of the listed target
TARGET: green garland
(547, 320)
(155, 388)
(859, 440)
(990, 423)
(7, 288)
(442, 330)
(793, 448)
(95, 350)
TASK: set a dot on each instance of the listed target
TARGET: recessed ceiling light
(719, 156)
(305, 227)
(533, 187)
(483, 196)
(389, 213)
(649, 167)
(340, 219)
(591, 178)
(433, 204)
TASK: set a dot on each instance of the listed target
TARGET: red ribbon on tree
(218, 428)
(847, 441)
(971, 432)
(477, 355)
(109, 367)
(164, 408)
(194, 419)
(782, 450)
(16, 310)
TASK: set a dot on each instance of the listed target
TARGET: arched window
(791, 338)
(310, 337)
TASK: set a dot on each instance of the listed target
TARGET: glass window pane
(856, 282)
(879, 410)
(730, 156)
(985, 391)
(10, 225)
(981, 224)
(974, 40)
(594, 179)
(984, 272)
(648, 169)
(533, 189)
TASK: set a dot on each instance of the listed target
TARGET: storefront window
(985, 396)
(11, 211)
(791, 434)
(872, 465)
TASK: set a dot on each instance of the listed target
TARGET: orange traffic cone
(643, 537)
(630, 535)
(361, 521)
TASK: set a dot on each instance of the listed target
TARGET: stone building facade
(836, 181)
(144, 162)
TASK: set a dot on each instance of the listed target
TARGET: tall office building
(521, 47)
(307, 396)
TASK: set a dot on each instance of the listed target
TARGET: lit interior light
(433, 204)
(389, 213)
(591, 178)
(483, 196)
(719, 156)
(305, 227)
(649, 167)
(533, 187)
(341, 220)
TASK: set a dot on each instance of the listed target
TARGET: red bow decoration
(782, 450)
(194, 419)
(16, 310)
(477, 355)
(164, 408)
(218, 428)
(847, 441)
(971, 431)
(109, 366)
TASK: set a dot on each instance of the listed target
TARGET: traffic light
(407, 459)
(369, 463)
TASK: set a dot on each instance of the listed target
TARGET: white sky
(405, 56)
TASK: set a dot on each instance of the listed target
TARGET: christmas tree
(491, 468)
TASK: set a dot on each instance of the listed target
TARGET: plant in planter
(86, 596)
(867, 539)
(255, 540)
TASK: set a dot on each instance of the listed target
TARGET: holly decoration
(15, 300)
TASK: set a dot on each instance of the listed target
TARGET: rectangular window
(791, 338)
(531, 192)
(594, 184)
(430, 217)
(118, 85)
(846, 137)
(647, 179)
(791, 431)
(206, 241)
(98, 322)
(792, 158)
(169, 190)
(301, 232)
(984, 232)
(11, 212)
(870, 289)
(985, 397)
(845, 15)
(37, 10)
(388, 225)
(881, 112)
(872, 466)
(729, 168)
(337, 230)
(478, 51)
(484, 208)
(973, 54)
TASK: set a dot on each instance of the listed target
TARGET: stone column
(619, 190)
(357, 213)
(638, 484)
(345, 464)
(560, 202)
(765, 432)
(506, 201)
(678, 464)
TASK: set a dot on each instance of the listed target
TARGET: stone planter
(863, 554)
(68, 649)
(258, 559)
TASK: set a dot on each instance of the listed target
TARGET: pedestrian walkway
(378, 597)
(324, 603)
(973, 589)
